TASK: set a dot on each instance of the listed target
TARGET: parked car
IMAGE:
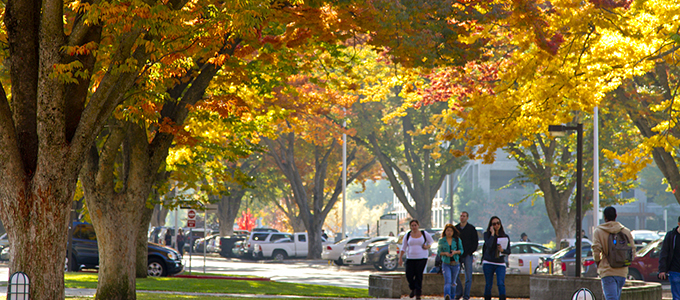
(546, 265)
(213, 242)
(292, 245)
(567, 263)
(4, 240)
(239, 249)
(524, 257)
(566, 243)
(645, 266)
(353, 254)
(379, 255)
(333, 251)
(162, 261)
(4, 254)
(259, 237)
(643, 237)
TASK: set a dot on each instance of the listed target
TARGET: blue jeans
(450, 273)
(674, 278)
(611, 287)
(464, 292)
(489, 269)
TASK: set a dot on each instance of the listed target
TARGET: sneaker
(447, 297)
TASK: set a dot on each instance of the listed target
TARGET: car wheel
(279, 255)
(634, 274)
(388, 263)
(156, 268)
(338, 262)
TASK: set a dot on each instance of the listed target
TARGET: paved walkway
(73, 292)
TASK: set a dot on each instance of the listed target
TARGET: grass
(192, 285)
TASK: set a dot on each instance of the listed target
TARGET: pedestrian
(470, 239)
(524, 237)
(612, 278)
(168, 238)
(496, 248)
(669, 260)
(180, 242)
(415, 244)
(450, 248)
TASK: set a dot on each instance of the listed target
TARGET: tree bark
(227, 210)
(116, 214)
(142, 247)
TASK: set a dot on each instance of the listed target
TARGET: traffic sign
(191, 214)
(191, 223)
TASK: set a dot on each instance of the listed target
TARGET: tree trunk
(142, 248)
(116, 238)
(227, 209)
(39, 223)
(116, 216)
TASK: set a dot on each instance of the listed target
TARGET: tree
(306, 164)
(69, 67)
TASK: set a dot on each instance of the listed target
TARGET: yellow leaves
(69, 73)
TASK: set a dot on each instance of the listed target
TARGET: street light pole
(579, 176)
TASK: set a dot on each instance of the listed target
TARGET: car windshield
(647, 236)
(561, 253)
(648, 247)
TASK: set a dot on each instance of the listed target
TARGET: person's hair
(678, 219)
(413, 221)
(609, 213)
(523, 234)
(456, 233)
(468, 215)
(500, 232)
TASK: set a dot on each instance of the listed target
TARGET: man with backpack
(613, 251)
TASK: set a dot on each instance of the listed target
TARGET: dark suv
(378, 255)
(163, 261)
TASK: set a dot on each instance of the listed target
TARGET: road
(295, 271)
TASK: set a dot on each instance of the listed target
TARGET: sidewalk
(73, 292)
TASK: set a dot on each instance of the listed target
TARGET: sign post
(191, 223)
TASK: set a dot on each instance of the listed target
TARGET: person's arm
(597, 247)
(460, 246)
(476, 239)
(663, 256)
(404, 246)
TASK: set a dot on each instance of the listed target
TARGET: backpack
(408, 235)
(620, 250)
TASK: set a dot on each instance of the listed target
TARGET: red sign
(191, 223)
(191, 214)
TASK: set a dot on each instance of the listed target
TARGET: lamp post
(579, 175)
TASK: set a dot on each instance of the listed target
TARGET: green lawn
(89, 280)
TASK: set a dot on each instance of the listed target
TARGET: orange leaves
(182, 137)
(224, 105)
(611, 4)
(530, 15)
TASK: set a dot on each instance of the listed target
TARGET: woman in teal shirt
(450, 248)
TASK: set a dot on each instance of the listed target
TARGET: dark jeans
(180, 248)
(463, 291)
(414, 273)
(489, 269)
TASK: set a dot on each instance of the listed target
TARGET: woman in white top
(416, 244)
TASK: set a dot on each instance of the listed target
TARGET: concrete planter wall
(561, 288)
(394, 285)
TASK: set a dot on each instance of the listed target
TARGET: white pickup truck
(286, 245)
(524, 257)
